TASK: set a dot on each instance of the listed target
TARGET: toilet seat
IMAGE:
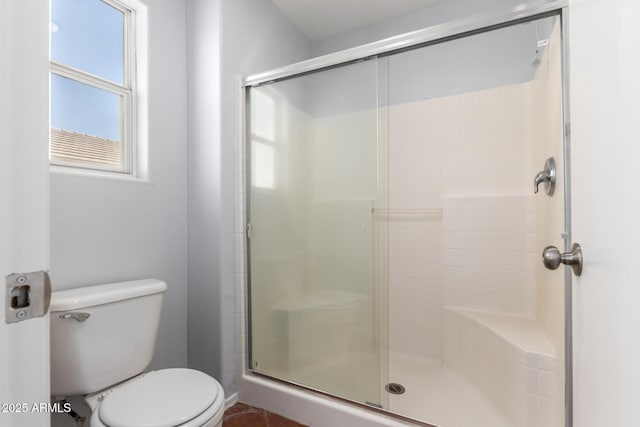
(163, 398)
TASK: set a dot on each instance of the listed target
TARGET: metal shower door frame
(481, 23)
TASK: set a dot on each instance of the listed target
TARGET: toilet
(103, 338)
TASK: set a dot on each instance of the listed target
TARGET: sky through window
(87, 35)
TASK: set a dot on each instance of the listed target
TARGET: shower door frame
(481, 23)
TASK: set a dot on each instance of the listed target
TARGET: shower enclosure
(393, 232)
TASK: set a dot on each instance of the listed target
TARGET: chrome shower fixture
(547, 176)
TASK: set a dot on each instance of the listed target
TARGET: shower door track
(480, 23)
(372, 408)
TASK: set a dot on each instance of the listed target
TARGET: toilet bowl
(102, 339)
(163, 398)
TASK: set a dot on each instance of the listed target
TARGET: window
(92, 85)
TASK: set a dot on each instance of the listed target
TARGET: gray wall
(225, 38)
(440, 12)
(105, 229)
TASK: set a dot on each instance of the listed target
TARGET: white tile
(239, 201)
(502, 279)
(239, 304)
(407, 294)
(461, 275)
(468, 296)
(514, 223)
(433, 307)
(489, 204)
(239, 183)
(510, 301)
(239, 243)
(502, 260)
(546, 412)
(531, 380)
(434, 289)
(239, 223)
(547, 385)
(530, 223)
(471, 240)
(520, 376)
(242, 339)
(532, 412)
(516, 204)
(545, 363)
(240, 323)
(490, 299)
(511, 261)
(462, 258)
(415, 253)
(530, 304)
(421, 270)
(240, 263)
(240, 282)
(529, 282)
(519, 241)
(480, 221)
(454, 204)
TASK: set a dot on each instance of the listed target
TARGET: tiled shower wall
(415, 284)
(489, 253)
(474, 156)
(452, 161)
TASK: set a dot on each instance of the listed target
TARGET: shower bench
(510, 359)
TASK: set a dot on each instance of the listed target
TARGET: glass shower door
(315, 182)
(395, 237)
(476, 321)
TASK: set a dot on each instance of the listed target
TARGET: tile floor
(243, 415)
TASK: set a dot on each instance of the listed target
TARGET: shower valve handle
(546, 177)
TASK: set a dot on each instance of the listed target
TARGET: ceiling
(319, 19)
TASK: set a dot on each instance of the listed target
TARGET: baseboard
(231, 400)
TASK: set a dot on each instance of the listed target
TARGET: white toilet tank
(115, 342)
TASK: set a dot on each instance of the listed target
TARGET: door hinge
(248, 230)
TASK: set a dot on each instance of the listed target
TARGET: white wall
(105, 229)
(225, 38)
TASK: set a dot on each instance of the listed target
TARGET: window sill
(87, 173)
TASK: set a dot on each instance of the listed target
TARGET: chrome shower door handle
(552, 258)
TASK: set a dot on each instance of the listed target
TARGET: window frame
(127, 91)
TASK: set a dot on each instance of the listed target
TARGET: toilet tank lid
(89, 296)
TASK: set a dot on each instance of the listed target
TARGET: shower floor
(434, 394)
(439, 396)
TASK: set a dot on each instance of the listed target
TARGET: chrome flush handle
(79, 316)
